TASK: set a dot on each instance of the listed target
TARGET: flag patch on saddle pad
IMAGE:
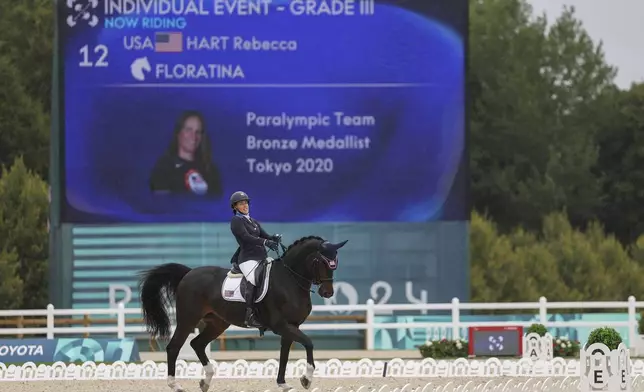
(229, 293)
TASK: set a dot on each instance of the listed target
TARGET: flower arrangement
(444, 348)
(564, 347)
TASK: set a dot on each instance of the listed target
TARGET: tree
(541, 266)
(561, 263)
(533, 90)
(580, 269)
(516, 267)
(23, 231)
(26, 42)
(492, 260)
(24, 127)
(636, 251)
(11, 286)
(621, 162)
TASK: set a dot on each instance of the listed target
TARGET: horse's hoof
(306, 383)
(284, 387)
(204, 387)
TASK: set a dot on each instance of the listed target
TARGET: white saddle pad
(231, 289)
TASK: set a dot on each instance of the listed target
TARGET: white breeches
(248, 269)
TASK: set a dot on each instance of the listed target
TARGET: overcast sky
(618, 23)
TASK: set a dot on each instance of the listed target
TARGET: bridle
(318, 258)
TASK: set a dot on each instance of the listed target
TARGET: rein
(318, 280)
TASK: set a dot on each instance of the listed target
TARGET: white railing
(369, 326)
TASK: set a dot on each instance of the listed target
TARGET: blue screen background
(114, 135)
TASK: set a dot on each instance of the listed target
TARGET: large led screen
(322, 111)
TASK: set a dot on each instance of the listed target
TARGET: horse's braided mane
(297, 242)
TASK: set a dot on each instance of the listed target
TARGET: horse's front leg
(290, 332)
(285, 349)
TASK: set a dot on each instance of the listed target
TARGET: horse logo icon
(138, 66)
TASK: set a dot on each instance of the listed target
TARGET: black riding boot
(249, 296)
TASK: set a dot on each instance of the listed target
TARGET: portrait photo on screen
(186, 166)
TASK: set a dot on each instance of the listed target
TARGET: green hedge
(559, 262)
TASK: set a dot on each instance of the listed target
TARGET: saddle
(235, 269)
(260, 272)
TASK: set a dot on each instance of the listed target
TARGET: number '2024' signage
(327, 111)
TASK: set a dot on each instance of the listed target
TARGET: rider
(251, 238)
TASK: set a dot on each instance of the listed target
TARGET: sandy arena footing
(257, 385)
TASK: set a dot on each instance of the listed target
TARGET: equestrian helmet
(237, 197)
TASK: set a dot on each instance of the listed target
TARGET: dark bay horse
(213, 294)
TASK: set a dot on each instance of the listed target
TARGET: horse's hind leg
(214, 327)
(187, 320)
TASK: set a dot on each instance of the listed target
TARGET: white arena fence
(333, 368)
(457, 327)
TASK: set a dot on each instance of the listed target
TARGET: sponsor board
(68, 350)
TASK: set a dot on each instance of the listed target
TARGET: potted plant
(605, 335)
(539, 329)
(605, 361)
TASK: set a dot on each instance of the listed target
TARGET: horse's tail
(154, 300)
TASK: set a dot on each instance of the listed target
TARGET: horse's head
(324, 262)
(314, 260)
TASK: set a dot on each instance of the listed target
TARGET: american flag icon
(168, 42)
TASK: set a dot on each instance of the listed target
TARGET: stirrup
(253, 323)
(251, 319)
